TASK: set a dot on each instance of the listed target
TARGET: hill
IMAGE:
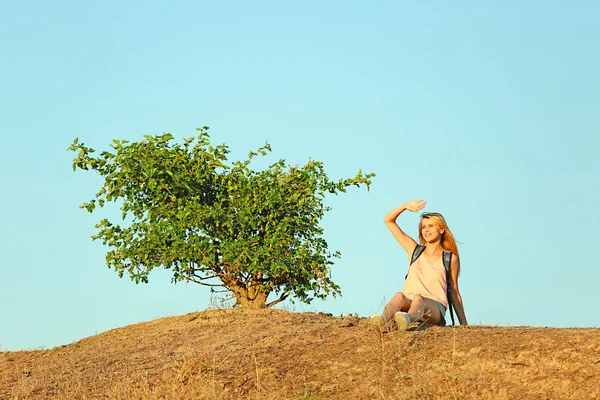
(275, 354)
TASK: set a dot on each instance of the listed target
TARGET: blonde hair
(448, 242)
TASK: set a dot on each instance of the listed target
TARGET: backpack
(446, 260)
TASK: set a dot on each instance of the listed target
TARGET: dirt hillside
(274, 354)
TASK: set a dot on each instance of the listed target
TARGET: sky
(486, 110)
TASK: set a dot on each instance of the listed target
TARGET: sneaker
(380, 322)
(402, 320)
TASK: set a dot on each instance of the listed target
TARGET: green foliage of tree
(253, 233)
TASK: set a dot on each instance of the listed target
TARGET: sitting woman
(425, 294)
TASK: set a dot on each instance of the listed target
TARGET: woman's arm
(390, 220)
(455, 297)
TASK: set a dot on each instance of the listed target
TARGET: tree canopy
(186, 208)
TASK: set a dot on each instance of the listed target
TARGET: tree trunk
(251, 298)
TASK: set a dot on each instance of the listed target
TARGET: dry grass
(275, 354)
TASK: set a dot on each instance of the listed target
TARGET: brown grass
(275, 354)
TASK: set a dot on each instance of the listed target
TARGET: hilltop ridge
(276, 354)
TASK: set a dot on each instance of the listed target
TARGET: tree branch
(221, 291)
(279, 300)
(210, 284)
(203, 278)
(205, 284)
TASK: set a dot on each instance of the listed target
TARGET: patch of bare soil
(275, 354)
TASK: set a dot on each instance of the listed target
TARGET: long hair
(447, 241)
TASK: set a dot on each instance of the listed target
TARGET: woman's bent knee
(399, 297)
(399, 302)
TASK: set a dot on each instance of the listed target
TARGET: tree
(253, 233)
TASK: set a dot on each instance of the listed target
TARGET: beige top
(427, 279)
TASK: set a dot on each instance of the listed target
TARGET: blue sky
(489, 112)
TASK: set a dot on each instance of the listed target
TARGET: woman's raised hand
(415, 205)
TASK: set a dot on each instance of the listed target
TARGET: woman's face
(430, 230)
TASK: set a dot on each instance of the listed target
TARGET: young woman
(424, 297)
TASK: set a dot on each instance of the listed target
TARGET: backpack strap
(416, 253)
(447, 258)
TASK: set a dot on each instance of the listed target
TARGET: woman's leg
(398, 303)
(425, 309)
